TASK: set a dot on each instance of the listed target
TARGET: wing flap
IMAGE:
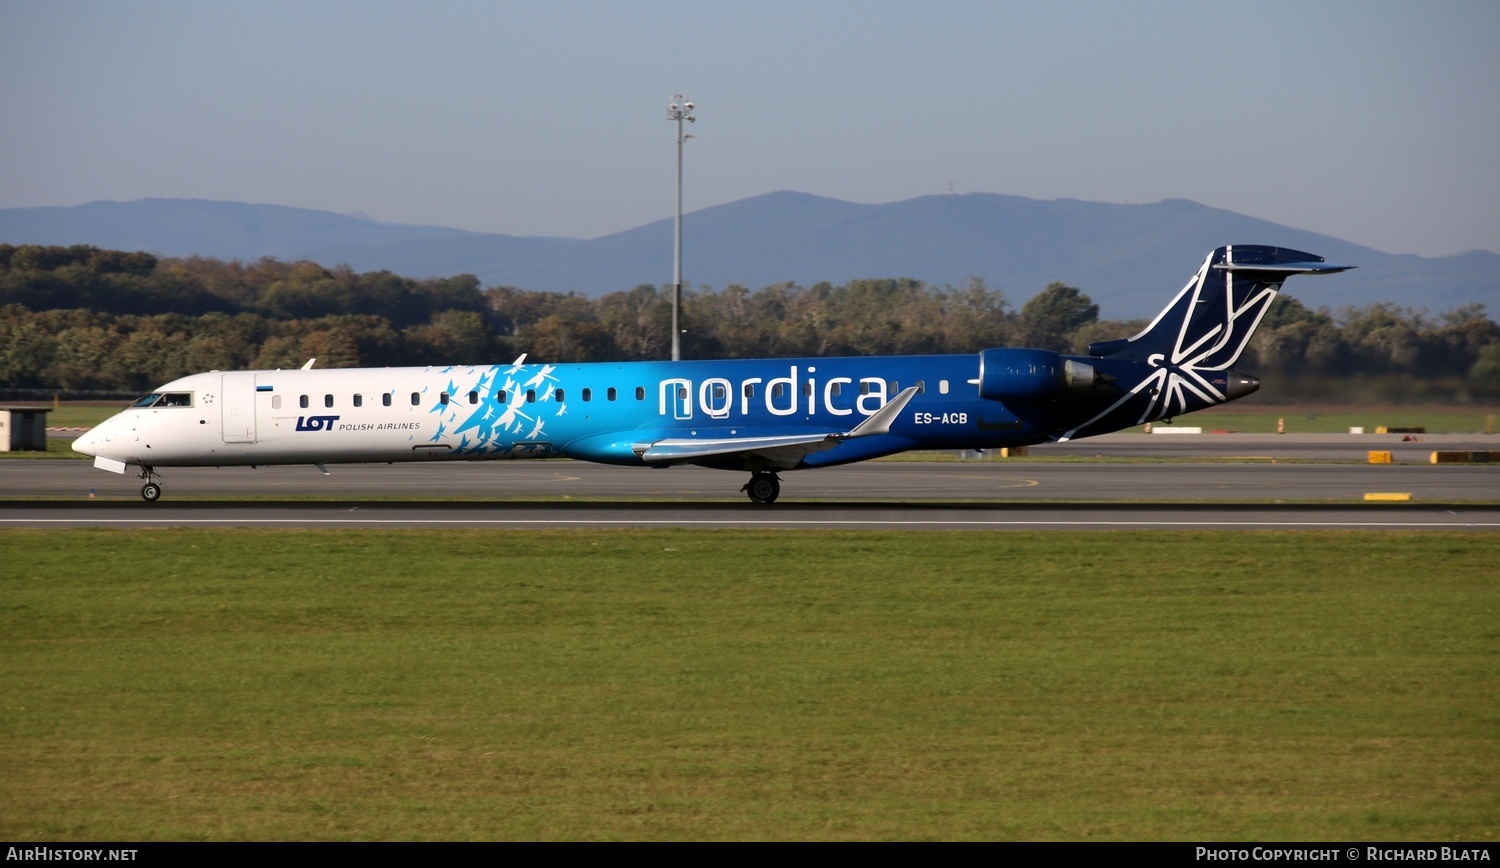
(778, 450)
(782, 451)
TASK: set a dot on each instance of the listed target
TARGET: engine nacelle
(1010, 372)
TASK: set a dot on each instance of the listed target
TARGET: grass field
(77, 414)
(748, 685)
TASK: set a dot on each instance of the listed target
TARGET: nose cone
(1240, 385)
(98, 440)
(88, 442)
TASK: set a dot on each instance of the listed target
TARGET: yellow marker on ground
(1388, 496)
(1378, 457)
(1465, 457)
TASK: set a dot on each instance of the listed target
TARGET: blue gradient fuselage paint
(756, 415)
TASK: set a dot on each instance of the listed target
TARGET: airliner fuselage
(756, 415)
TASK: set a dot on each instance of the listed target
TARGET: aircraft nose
(97, 439)
(88, 442)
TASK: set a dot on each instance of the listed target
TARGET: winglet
(308, 366)
(880, 422)
(520, 360)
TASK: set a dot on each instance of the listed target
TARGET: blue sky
(1373, 121)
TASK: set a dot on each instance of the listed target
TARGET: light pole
(680, 110)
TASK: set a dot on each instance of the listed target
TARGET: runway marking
(803, 523)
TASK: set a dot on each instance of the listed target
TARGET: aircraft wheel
(763, 488)
(151, 492)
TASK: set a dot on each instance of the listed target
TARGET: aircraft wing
(782, 451)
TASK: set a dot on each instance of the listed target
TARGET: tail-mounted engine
(1009, 373)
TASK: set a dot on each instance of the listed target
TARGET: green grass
(57, 447)
(741, 684)
(78, 414)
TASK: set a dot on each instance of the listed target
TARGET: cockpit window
(166, 399)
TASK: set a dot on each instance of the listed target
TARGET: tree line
(84, 318)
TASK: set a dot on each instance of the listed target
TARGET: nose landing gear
(151, 491)
(763, 487)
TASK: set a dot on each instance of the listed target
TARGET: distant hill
(1129, 258)
(184, 227)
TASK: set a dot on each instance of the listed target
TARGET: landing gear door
(237, 403)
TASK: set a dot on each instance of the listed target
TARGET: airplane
(761, 416)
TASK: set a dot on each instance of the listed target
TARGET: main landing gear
(763, 486)
(151, 491)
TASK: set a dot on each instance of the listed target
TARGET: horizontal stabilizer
(1264, 259)
(1285, 267)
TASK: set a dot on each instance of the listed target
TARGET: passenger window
(275, 402)
(682, 393)
(611, 393)
(501, 396)
(558, 395)
(778, 390)
(895, 387)
(359, 400)
(416, 398)
(443, 399)
(531, 396)
(921, 387)
(588, 394)
(942, 387)
(749, 390)
(835, 389)
(640, 393)
(327, 400)
(807, 387)
(385, 400)
(864, 388)
(473, 397)
(302, 402)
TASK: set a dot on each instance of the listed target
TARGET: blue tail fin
(1209, 323)
(1188, 349)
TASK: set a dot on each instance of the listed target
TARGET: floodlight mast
(679, 110)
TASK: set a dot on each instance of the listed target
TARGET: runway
(980, 494)
(791, 517)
